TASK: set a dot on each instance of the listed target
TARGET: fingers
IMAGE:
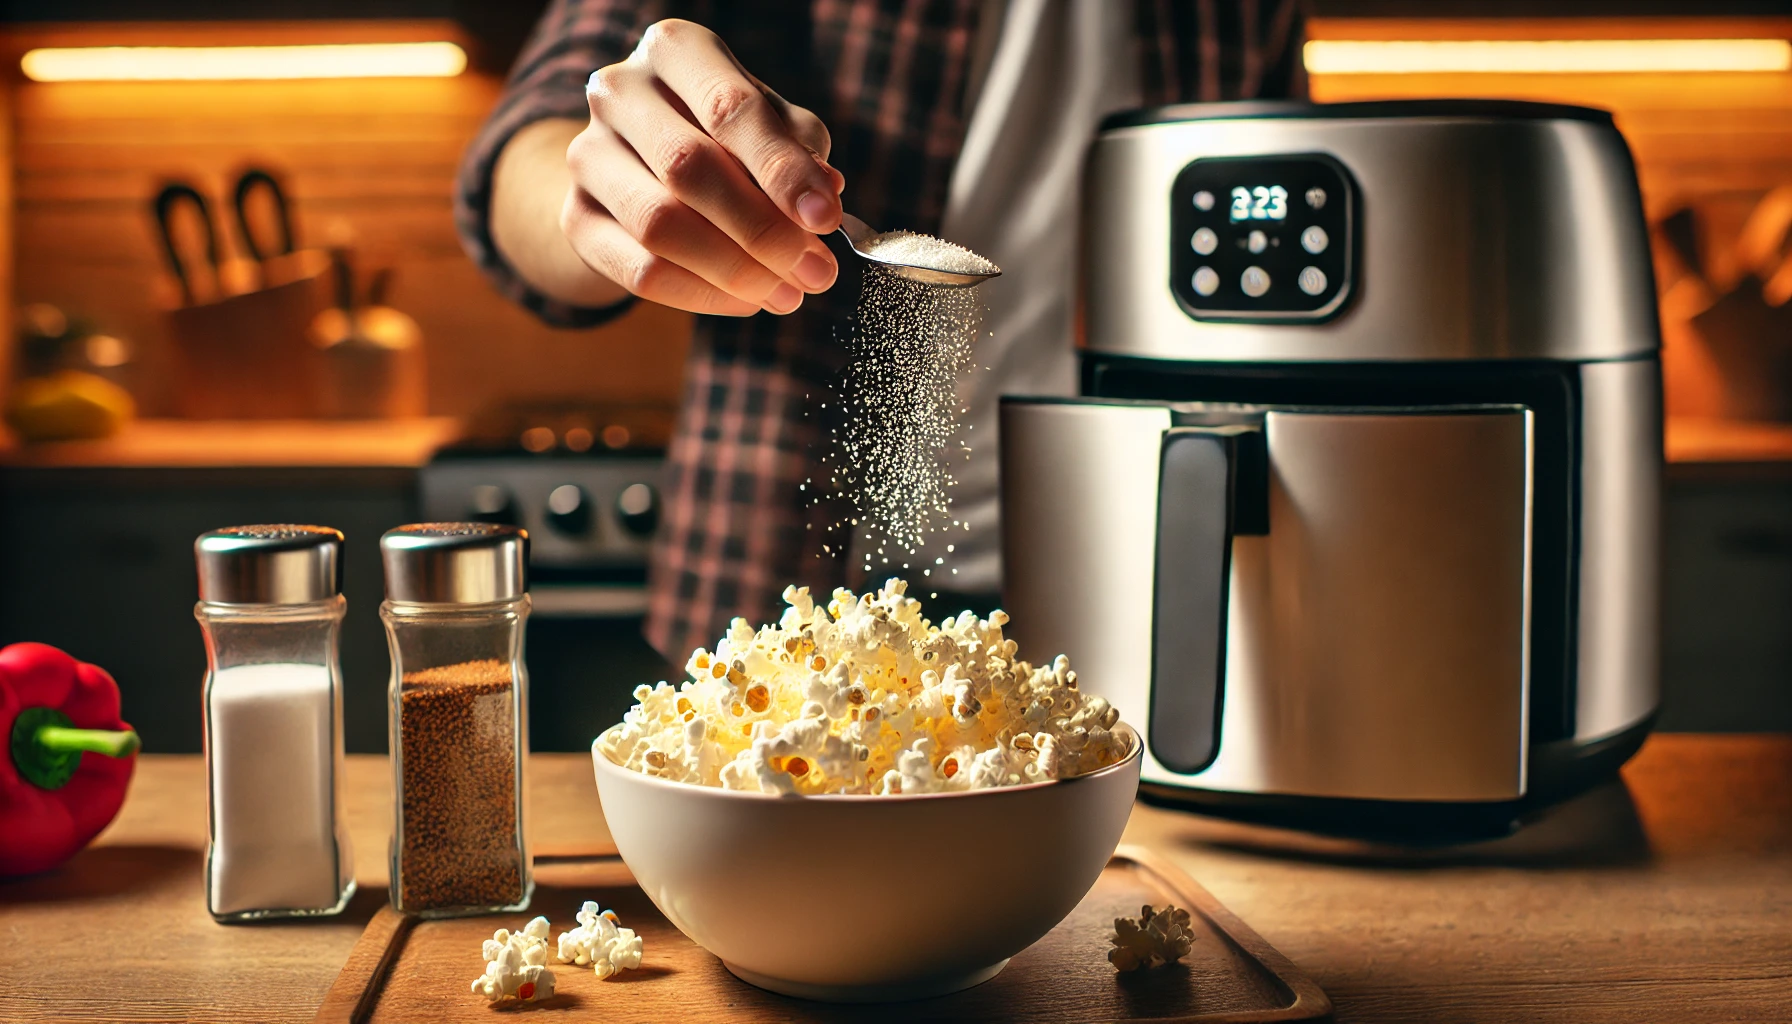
(803, 125)
(696, 183)
(700, 173)
(807, 129)
(733, 109)
(665, 227)
(802, 122)
(611, 251)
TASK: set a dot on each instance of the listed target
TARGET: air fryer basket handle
(1213, 483)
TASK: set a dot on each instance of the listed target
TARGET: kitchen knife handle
(1213, 484)
(166, 200)
(246, 185)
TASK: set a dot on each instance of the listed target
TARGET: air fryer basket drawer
(1376, 633)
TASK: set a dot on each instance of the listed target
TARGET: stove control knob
(638, 506)
(491, 503)
(569, 510)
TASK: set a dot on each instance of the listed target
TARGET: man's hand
(695, 186)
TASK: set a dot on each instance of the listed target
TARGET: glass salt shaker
(270, 608)
(456, 603)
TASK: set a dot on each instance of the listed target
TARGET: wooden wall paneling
(372, 159)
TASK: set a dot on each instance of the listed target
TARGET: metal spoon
(859, 234)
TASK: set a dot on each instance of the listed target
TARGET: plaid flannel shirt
(888, 77)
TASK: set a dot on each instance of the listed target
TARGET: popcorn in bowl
(865, 696)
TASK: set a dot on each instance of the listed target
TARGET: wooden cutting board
(408, 970)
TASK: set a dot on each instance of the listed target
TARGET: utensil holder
(249, 356)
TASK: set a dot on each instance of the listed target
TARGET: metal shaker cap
(280, 563)
(455, 563)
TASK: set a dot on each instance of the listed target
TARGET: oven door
(586, 655)
(1327, 602)
(587, 576)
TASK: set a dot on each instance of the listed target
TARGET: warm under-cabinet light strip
(238, 63)
(1543, 56)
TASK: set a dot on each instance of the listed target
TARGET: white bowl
(867, 898)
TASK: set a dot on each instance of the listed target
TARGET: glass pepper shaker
(270, 608)
(456, 603)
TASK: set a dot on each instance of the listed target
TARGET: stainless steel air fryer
(1357, 515)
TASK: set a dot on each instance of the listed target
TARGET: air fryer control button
(1257, 241)
(1206, 281)
(1203, 200)
(1312, 280)
(1314, 240)
(1254, 281)
(1205, 241)
(1316, 198)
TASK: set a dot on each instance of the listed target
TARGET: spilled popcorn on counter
(866, 696)
(600, 940)
(1153, 938)
(516, 964)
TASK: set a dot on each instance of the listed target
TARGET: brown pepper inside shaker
(460, 809)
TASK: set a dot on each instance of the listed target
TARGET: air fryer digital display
(1263, 238)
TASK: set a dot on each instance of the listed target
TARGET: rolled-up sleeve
(573, 39)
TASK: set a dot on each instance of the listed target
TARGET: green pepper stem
(60, 739)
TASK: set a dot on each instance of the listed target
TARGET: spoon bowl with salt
(918, 257)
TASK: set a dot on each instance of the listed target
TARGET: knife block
(248, 356)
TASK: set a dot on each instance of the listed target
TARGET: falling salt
(908, 345)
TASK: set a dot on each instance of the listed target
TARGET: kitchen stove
(585, 481)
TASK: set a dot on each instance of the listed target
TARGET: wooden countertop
(1665, 898)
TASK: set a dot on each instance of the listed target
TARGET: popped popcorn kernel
(516, 964)
(601, 941)
(1154, 938)
(864, 695)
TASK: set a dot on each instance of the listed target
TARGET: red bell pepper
(71, 756)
